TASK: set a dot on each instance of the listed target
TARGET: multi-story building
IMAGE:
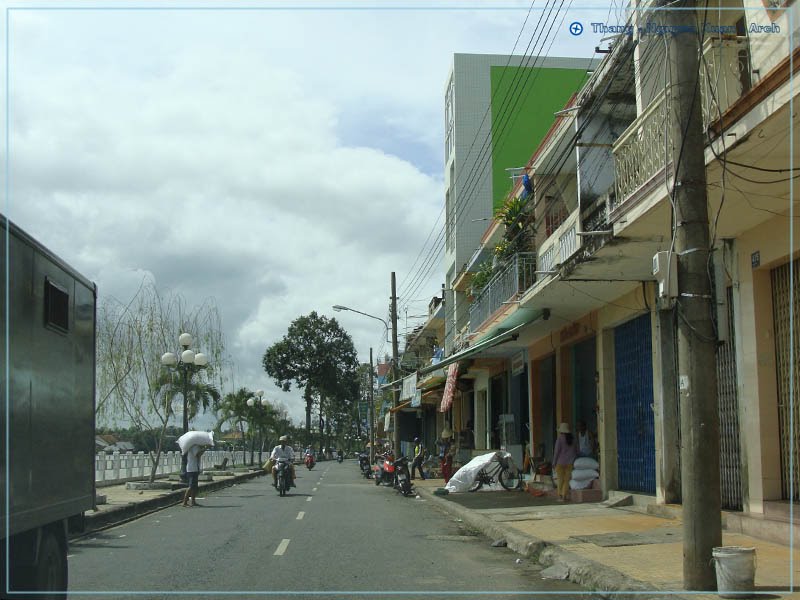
(596, 335)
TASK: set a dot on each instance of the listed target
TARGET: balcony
(561, 245)
(641, 151)
(516, 277)
(724, 75)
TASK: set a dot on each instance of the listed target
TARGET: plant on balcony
(515, 215)
(481, 277)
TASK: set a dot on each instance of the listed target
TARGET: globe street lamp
(257, 400)
(186, 363)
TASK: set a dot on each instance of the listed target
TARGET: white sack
(463, 479)
(580, 485)
(195, 438)
(584, 474)
(586, 462)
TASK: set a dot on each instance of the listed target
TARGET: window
(56, 306)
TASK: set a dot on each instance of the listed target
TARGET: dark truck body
(48, 384)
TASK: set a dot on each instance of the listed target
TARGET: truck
(48, 382)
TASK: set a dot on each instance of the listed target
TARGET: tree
(131, 337)
(317, 355)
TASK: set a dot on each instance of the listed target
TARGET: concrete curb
(121, 514)
(593, 575)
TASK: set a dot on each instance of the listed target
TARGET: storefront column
(607, 412)
(666, 413)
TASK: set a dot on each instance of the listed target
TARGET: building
(575, 325)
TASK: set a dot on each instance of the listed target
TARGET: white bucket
(736, 571)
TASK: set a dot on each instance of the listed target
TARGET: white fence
(132, 465)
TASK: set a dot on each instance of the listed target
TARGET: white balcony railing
(562, 245)
(515, 278)
(642, 150)
(725, 74)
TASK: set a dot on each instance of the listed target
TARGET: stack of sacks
(195, 438)
(584, 471)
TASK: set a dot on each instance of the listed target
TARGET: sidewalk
(608, 549)
(123, 504)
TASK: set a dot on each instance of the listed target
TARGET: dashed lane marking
(313, 489)
(282, 547)
(300, 515)
(309, 498)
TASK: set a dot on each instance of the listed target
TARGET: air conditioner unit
(665, 270)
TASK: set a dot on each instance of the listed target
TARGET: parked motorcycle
(310, 461)
(403, 477)
(384, 470)
(284, 476)
(363, 464)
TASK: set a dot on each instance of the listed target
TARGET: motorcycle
(310, 462)
(363, 464)
(340, 458)
(403, 477)
(284, 476)
(384, 471)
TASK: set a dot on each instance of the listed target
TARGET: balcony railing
(560, 246)
(725, 74)
(517, 276)
(641, 151)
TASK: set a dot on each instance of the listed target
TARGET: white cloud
(278, 161)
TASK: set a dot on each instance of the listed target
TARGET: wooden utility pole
(697, 379)
(395, 370)
(371, 411)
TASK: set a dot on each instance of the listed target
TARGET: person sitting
(282, 450)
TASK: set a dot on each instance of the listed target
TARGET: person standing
(419, 457)
(586, 442)
(445, 457)
(564, 455)
(193, 455)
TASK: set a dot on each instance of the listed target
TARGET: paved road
(335, 532)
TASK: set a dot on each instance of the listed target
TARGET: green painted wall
(515, 139)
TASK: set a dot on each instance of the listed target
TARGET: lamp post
(256, 400)
(395, 372)
(186, 363)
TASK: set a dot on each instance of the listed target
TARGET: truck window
(56, 306)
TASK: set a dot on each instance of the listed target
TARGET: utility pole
(371, 411)
(697, 379)
(395, 370)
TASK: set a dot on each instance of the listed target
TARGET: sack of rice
(584, 474)
(195, 438)
(586, 462)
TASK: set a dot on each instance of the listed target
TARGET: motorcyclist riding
(282, 451)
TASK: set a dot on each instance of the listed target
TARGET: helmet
(283, 438)
(416, 439)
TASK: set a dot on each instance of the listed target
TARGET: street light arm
(338, 307)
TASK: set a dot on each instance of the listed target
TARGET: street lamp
(257, 400)
(339, 308)
(186, 363)
(395, 371)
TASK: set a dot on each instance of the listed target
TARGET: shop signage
(409, 387)
(518, 363)
(417, 399)
(570, 331)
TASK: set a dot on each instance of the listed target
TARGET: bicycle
(502, 471)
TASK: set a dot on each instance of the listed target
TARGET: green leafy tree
(316, 354)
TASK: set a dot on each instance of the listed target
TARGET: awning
(399, 406)
(473, 350)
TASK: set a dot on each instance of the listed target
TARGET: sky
(279, 159)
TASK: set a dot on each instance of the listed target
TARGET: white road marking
(300, 515)
(313, 489)
(309, 498)
(282, 547)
